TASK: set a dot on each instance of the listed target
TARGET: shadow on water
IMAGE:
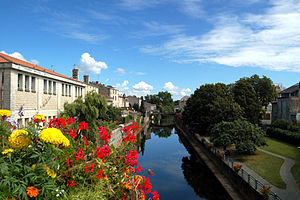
(178, 174)
(202, 180)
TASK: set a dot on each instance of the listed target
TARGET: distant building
(149, 107)
(134, 100)
(35, 89)
(182, 103)
(287, 105)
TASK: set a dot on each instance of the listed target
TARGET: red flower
(85, 140)
(104, 135)
(131, 158)
(71, 183)
(139, 169)
(155, 195)
(70, 120)
(147, 185)
(100, 176)
(68, 162)
(83, 126)
(103, 152)
(89, 169)
(72, 133)
(79, 155)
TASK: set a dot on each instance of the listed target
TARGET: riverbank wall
(235, 186)
(116, 134)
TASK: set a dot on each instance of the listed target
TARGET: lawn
(287, 150)
(265, 165)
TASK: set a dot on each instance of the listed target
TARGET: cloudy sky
(146, 46)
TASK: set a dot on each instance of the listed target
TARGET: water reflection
(177, 174)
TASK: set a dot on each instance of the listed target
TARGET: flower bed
(51, 162)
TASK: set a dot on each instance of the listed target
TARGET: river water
(177, 174)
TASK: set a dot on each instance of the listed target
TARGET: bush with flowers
(54, 161)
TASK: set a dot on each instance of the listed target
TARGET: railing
(256, 184)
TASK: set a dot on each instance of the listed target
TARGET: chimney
(97, 82)
(86, 78)
(75, 73)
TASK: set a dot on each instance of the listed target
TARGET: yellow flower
(19, 139)
(54, 136)
(4, 113)
(49, 171)
(39, 117)
(7, 151)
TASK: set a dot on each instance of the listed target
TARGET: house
(134, 100)
(35, 89)
(182, 103)
(149, 107)
(287, 105)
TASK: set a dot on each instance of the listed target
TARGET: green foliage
(246, 97)
(264, 88)
(243, 134)
(92, 110)
(210, 104)
(163, 101)
(286, 131)
(113, 114)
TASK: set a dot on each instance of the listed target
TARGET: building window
(50, 87)
(26, 122)
(20, 123)
(45, 86)
(20, 81)
(80, 91)
(54, 87)
(66, 90)
(27, 83)
(76, 90)
(63, 89)
(70, 91)
(33, 84)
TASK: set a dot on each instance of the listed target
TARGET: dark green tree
(113, 114)
(264, 88)
(163, 100)
(136, 107)
(246, 97)
(210, 104)
(243, 134)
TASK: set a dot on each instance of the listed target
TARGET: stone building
(134, 100)
(287, 105)
(35, 89)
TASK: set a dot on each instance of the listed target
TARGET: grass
(267, 166)
(286, 150)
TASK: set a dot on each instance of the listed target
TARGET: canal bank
(236, 187)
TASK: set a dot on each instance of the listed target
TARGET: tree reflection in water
(162, 132)
(195, 173)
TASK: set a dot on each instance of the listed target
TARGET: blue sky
(146, 46)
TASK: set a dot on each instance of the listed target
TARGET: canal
(178, 175)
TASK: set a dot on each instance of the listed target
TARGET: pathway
(292, 189)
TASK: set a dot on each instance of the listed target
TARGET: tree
(163, 100)
(210, 104)
(113, 114)
(246, 97)
(91, 110)
(136, 107)
(243, 134)
(264, 88)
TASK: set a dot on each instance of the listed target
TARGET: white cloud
(18, 55)
(138, 4)
(176, 91)
(171, 88)
(121, 71)
(36, 62)
(154, 28)
(192, 8)
(123, 88)
(270, 40)
(142, 89)
(89, 64)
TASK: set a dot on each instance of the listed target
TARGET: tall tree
(210, 104)
(246, 97)
(264, 88)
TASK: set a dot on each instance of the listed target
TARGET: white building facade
(36, 89)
